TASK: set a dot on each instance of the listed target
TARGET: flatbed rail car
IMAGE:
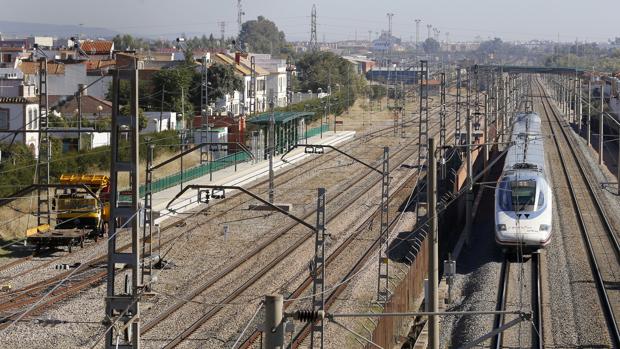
(58, 238)
(82, 212)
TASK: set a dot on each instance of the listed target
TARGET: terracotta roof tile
(99, 47)
(32, 68)
(99, 63)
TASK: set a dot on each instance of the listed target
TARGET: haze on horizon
(338, 20)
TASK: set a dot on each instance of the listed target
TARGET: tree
(431, 45)
(128, 42)
(222, 80)
(321, 69)
(262, 36)
(173, 86)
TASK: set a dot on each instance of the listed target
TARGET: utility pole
(417, 34)
(273, 325)
(318, 285)
(147, 226)
(468, 181)
(222, 31)
(123, 307)
(423, 126)
(79, 123)
(252, 91)
(240, 14)
(457, 108)
(204, 112)
(580, 105)
(433, 248)
(442, 126)
(589, 123)
(45, 148)
(601, 126)
(486, 131)
(313, 40)
(289, 81)
(383, 291)
(272, 147)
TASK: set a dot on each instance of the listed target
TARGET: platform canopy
(280, 117)
(528, 69)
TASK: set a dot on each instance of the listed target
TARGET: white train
(523, 197)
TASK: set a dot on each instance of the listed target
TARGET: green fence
(196, 172)
(204, 169)
(316, 131)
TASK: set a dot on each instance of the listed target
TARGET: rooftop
(17, 100)
(98, 47)
(32, 68)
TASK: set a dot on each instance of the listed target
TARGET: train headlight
(501, 227)
(544, 227)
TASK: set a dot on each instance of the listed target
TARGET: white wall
(16, 122)
(100, 139)
(153, 121)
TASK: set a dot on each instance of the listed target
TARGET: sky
(464, 20)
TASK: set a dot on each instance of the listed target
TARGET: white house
(276, 80)
(240, 102)
(20, 115)
(160, 121)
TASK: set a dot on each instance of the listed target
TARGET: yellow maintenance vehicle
(82, 209)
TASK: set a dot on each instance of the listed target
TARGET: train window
(541, 200)
(505, 199)
(523, 195)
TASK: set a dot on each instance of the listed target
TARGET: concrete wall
(153, 121)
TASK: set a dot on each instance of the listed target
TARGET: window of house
(4, 119)
(30, 119)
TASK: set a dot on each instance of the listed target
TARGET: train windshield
(504, 197)
(523, 195)
(517, 195)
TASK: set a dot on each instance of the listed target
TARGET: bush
(18, 166)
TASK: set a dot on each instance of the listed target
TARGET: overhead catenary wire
(65, 279)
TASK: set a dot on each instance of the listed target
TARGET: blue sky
(337, 19)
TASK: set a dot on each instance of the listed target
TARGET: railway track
(19, 300)
(513, 337)
(599, 236)
(332, 215)
(237, 292)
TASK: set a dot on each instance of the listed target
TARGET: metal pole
(457, 108)
(468, 180)
(147, 227)
(274, 329)
(433, 248)
(318, 286)
(496, 112)
(589, 124)
(580, 104)
(271, 153)
(120, 306)
(442, 125)
(382, 278)
(79, 123)
(486, 130)
(600, 125)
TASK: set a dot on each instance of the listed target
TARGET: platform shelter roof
(280, 117)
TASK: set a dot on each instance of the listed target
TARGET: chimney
(237, 57)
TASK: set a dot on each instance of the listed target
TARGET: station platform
(246, 173)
